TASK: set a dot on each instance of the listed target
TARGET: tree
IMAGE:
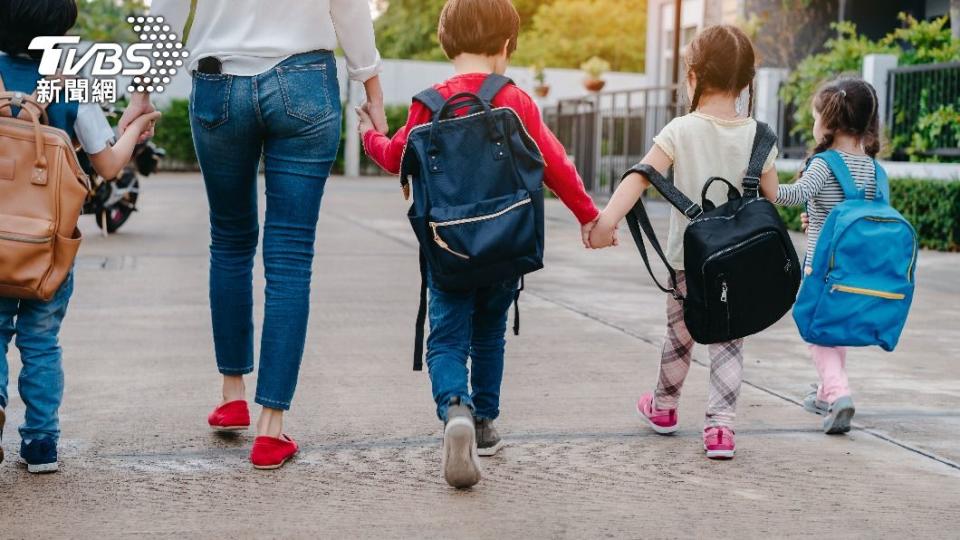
(408, 29)
(557, 33)
(106, 20)
(565, 33)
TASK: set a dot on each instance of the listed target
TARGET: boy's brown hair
(723, 60)
(478, 27)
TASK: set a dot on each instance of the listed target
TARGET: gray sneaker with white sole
(813, 405)
(839, 416)
(488, 440)
(460, 461)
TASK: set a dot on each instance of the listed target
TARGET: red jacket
(559, 175)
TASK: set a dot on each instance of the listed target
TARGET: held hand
(804, 221)
(604, 234)
(377, 115)
(585, 232)
(365, 123)
(139, 105)
(144, 125)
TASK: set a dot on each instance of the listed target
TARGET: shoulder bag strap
(421, 317)
(188, 24)
(639, 224)
(840, 171)
(883, 184)
(431, 99)
(763, 142)
(492, 85)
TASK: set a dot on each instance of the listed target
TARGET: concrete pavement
(137, 458)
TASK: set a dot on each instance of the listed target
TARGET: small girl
(845, 120)
(714, 139)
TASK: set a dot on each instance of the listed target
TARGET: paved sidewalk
(137, 458)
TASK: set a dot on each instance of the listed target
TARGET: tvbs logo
(151, 63)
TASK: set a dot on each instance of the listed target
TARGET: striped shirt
(820, 190)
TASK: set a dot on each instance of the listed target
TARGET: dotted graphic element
(168, 53)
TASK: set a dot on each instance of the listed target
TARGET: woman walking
(265, 86)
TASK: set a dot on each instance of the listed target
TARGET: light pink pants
(831, 363)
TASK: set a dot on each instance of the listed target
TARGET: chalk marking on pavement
(635, 335)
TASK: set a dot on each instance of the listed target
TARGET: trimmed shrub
(932, 206)
(173, 135)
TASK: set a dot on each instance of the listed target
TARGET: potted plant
(542, 89)
(594, 69)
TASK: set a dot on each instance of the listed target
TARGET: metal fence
(915, 91)
(608, 132)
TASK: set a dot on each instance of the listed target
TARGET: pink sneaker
(663, 421)
(718, 442)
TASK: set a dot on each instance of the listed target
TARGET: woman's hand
(374, 105)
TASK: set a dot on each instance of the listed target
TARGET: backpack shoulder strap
(883, 184)
(840, 171)
(492, 86)
(432, 99)
(763, 142)
(639, 223)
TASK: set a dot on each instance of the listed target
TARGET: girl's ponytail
(849, 106)
(723, 60)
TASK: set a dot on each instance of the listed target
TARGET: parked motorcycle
(113, 201)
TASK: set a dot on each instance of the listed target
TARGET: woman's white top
(252, 36)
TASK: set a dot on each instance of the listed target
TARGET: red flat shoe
(272, 452)
(231, 416)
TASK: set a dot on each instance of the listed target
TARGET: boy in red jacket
(478, 36)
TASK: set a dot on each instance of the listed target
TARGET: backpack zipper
(435, 225)
(913, 258)
(26, 239)
(867, 292)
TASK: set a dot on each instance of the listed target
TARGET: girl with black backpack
(715, 139)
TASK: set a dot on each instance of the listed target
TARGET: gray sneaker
(460, 462)
(839, 416)
(488, 440)
(814, 405)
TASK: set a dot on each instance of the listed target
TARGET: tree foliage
(556, 33)
(106, 20)
(917, 42)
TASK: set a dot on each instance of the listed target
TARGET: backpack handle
(707, 204)
(40, 161)
(459, 101)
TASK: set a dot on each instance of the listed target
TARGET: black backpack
(742, 271)
(477, 184)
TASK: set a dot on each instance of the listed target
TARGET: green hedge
(932, 206)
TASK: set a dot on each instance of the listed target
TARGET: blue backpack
(477, 195)
(861, 286)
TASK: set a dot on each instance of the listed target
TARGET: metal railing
(914, 91)
(607, 132)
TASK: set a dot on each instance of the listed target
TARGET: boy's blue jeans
(468, 324)
(36, 325)
(291, 116)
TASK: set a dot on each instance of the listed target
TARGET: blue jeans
(290, 115)
(37, 327)
(468, 324)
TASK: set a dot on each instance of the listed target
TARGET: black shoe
(40, 456)
(459, 462)
(488, 440)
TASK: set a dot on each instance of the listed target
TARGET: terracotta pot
(542, 90)
(594, 85)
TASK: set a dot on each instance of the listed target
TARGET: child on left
(35, 323)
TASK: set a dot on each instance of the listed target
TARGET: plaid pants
(726, 367)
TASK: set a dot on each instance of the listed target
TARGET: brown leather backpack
(42, 190)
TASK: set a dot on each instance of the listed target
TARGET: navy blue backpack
(477, 182)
